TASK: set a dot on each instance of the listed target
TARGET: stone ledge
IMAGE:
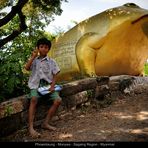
(19, 104)
(14, 112)
(13, 106)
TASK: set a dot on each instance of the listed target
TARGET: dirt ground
(126, 119)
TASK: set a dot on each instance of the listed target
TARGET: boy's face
(43, 49)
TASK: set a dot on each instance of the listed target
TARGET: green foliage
(8, 110)
(29, 12)
(5, 3)
(90, 93)
(146, 69)
(12, 81)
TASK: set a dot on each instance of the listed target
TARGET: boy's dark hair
(44, 41)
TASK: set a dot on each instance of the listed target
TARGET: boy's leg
(32, 110)
(51, 111)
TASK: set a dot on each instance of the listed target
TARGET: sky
(79, 10)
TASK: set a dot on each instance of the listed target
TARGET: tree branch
(15, 33)
(15, 10)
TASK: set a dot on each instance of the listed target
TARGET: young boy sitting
(44, 69)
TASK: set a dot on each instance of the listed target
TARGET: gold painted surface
(113, 42)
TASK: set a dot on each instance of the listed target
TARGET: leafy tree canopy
(26, 11)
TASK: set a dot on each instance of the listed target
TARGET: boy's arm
(29, 63)
(53, 82)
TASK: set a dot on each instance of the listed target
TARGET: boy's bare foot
(48, 127)
(34, 133)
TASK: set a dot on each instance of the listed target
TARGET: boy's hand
(51, 88)
(35, 53)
